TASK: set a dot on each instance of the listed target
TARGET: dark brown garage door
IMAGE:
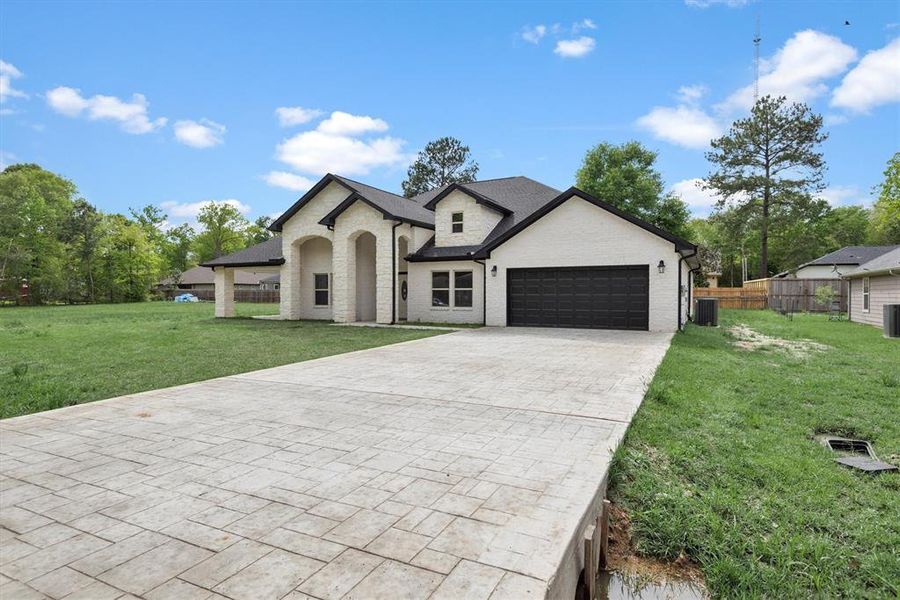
(586, 297)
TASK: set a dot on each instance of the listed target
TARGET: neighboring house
(872, 285)
(509, 251)
(272, 282)
(202, 278)
(838, 263)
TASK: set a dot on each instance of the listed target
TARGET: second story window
(456, 221)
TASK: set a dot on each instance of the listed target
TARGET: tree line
(67, 250)
(767, 172)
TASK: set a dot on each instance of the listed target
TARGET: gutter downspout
(483, 291)
(681, 260)
(394, 272)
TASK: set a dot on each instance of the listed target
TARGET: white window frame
(866, 294)
(451, 290)
(326, 289)
(467, 289)
(454, 222)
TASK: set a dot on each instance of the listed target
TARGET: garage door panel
(601, 297)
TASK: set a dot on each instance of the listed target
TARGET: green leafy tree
(34, 207)
(766, 162)
(625, 176)
(129, 262)
(178, 251)
(885, 224)
(258, 231)
(223, 231)
(845, 226)
(443, 161)
(83, 233)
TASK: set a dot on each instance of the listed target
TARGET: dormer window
(456, 222)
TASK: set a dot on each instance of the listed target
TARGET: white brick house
(501, 252)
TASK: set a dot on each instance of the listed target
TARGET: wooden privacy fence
(260, 296)
(733, 297)
(801, 293)
(778, 294)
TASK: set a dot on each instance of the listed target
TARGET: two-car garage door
(602, 297)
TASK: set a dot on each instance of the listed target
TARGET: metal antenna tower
(756, 40)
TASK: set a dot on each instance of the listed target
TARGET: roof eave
(478, 198)
(256, 263)
(277, 224)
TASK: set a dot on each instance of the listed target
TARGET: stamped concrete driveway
(459, 466)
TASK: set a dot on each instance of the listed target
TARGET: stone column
(290, 281)
(343, 280)
(384, 279)
(224, 280)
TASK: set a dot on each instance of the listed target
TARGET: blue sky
(176, 104)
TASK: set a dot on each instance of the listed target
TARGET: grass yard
(62, 355)
(720, 463)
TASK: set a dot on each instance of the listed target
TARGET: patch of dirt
(750, 339)
(624, 559)
(143, 415)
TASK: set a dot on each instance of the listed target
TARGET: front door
(402, 295)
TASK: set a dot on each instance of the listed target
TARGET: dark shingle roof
(204, 275)
(265, 254)
(431, 252)
(850, 255)
(404, 209)
(889, 262)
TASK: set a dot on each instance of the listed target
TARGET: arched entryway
(402, 281)
(365, 276)
(316, 279)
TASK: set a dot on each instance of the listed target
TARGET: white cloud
(131, 116)
(699, 200)
(842, 195)
(575, 48)
(296, 115)
(288, 181)
(582, 25)
(8, 72)
(341, 123)
(683, 125)
(6, 159)
(708, 3)
(318, 153)
(874, 81)
(533, 35)
(798, 70)
(692, 94)
(199, 134)
(190, 210)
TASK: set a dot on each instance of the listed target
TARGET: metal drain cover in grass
(869, 465)
(858, 454)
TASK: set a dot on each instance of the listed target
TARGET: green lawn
(720, 462)
(62, 355)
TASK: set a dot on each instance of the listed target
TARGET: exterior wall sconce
(661, 267)
(494, 271)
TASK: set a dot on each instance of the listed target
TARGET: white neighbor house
(836, 264)
(501, 252)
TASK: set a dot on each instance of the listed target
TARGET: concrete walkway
(459, 466)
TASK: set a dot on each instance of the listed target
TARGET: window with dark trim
(865, 294)
(321, 281)
(462, 289)
(440, 288)
(456, 222)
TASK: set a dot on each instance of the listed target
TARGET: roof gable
(390, 205)
(479, 198)
(495, 240)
